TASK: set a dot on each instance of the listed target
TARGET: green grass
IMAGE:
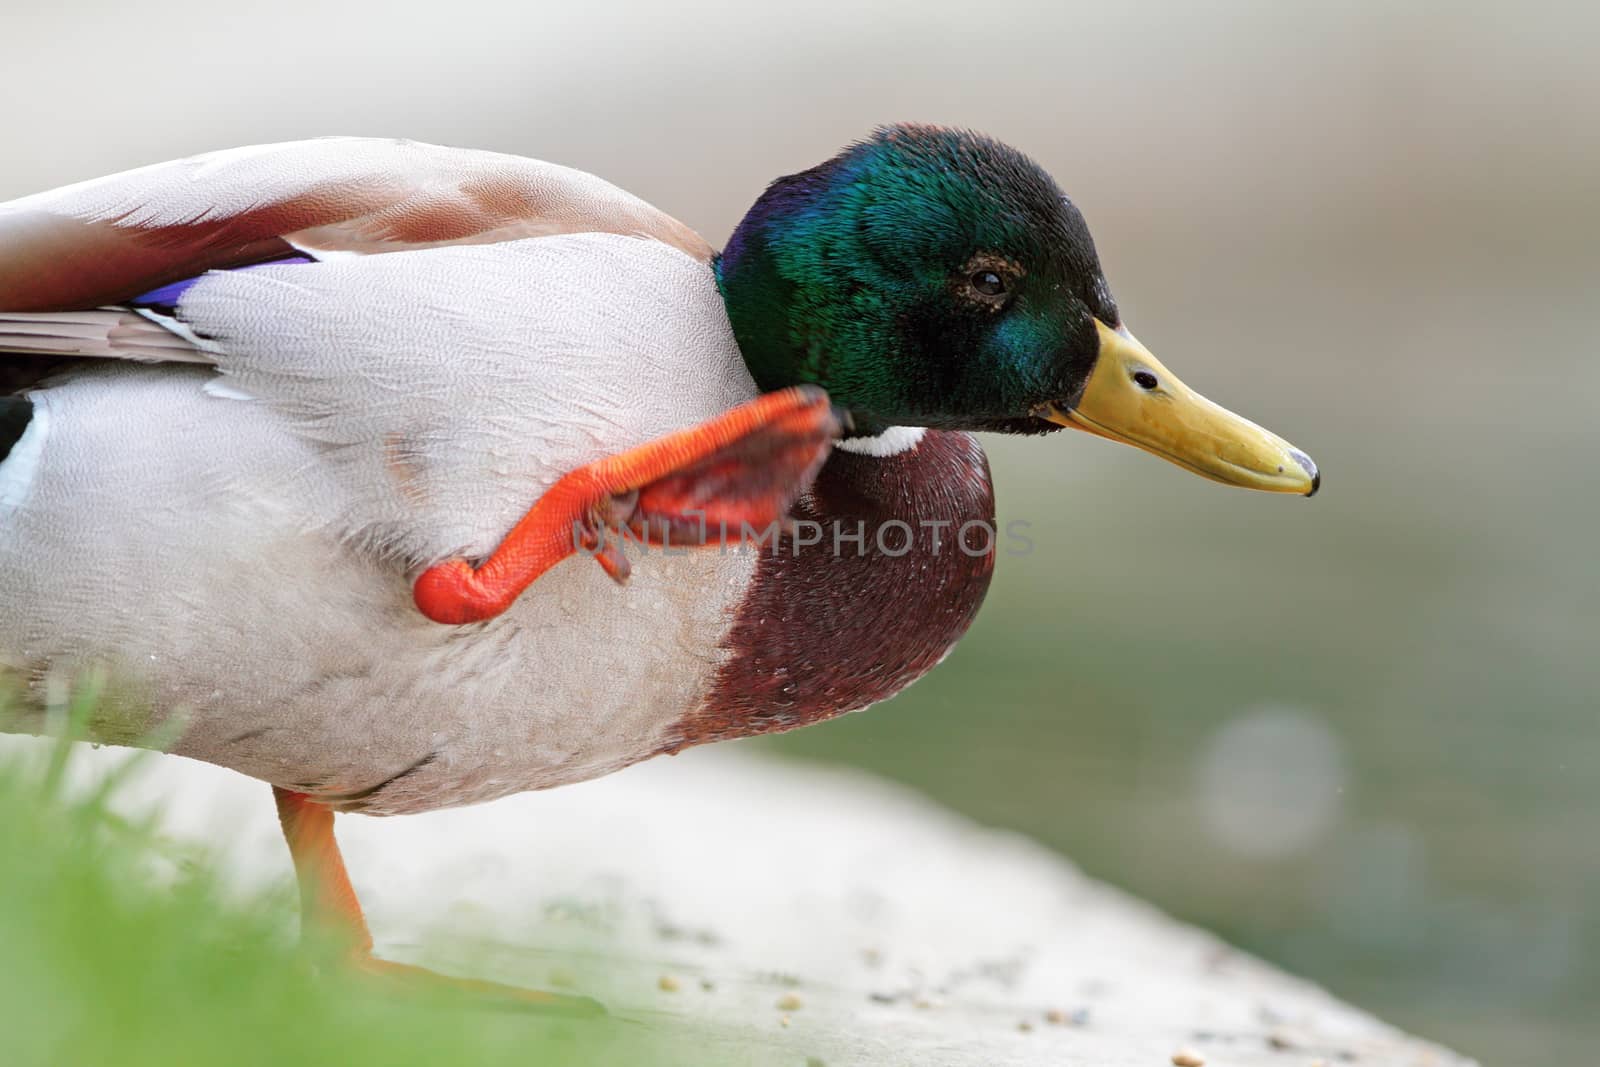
(120, 947)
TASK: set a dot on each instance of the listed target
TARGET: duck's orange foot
(407, 977)
(705, 485)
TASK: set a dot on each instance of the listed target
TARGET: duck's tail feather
(15, 414)
(18, 450)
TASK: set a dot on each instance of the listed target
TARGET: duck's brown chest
(886, 568)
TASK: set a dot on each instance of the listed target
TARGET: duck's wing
(109, 240)
(72, 258)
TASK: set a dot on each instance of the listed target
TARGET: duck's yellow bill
(1132, 398)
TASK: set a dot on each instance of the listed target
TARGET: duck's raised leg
(704, 485)
(328, 900)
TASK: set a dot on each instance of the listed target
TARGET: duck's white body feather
(236, 541)
(448, 388)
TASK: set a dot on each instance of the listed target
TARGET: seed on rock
(1025, 1026)
(1186, 1057)
(790, 1002)
(667, 984)
(783, 1021)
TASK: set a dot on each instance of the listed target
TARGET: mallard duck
(330, 455)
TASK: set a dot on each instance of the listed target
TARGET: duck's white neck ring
(891, 442)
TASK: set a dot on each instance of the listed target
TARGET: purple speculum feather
(168, 295)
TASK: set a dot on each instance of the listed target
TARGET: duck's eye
(1144, 379)
(988, 283)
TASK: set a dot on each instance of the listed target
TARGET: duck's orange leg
(742, 469)
(328, 900)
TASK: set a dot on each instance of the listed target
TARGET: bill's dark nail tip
(1309, 467)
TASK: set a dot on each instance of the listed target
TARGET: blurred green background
(1355, 734)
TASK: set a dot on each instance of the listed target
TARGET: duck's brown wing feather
(108, 240)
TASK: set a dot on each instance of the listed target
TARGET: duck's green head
(935, 277)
